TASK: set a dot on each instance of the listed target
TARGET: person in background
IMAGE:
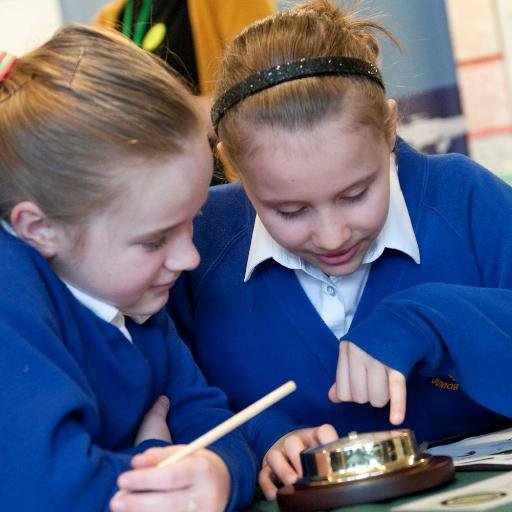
(339, 231)
(190, 35)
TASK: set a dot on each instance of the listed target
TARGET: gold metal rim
(359, 456)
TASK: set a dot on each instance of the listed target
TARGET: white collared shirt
(105, 311)
(336, 298)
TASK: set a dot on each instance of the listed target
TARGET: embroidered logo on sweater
(445, 382)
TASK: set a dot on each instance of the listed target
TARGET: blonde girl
(103, 166)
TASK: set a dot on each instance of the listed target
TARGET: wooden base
(435, 471)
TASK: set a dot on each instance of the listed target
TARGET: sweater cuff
(265, 429)
(145, 445)
(242, 469)
(391, 339)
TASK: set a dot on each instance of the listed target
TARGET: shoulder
(227, 196)
(440, 178)
(415, 162)
(19, 262)
(226, 216)
(222, 233)
(28, 281)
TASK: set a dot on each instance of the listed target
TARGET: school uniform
(250, 335)
(75, 387)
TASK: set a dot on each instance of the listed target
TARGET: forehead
(330, 154)
(174, 186)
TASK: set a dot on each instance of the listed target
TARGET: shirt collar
(100, 308)
(103, 309)
(397, 233)
(8, 228)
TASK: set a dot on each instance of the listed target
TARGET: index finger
(397, 397)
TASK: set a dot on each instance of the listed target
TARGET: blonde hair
(73, 110)
(316, 28)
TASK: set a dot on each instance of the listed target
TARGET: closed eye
(153, 245)
(291, 215)
(356, 197)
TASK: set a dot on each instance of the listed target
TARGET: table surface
(461, 478)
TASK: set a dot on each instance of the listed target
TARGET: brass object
(360, 456)
(363, 468)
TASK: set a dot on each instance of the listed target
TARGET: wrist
(222, 476)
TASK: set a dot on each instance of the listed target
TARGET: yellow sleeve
(215, 23)
(108, 16)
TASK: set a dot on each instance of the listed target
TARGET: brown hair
(76, 108)
(316, 28)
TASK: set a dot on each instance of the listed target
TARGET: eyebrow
(153, 234)
(365, 180)
(162, 231)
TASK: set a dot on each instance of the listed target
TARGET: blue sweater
(446, 323)
(74, 391)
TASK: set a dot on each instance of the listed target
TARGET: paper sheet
(492, 450)
(484, 495)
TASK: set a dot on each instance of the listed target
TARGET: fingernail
(396, 419)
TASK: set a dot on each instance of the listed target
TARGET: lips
(164, 286)
(339, 257)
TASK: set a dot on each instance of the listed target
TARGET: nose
(331, 232)
(182, 256)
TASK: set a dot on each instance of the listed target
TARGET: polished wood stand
(434, 471)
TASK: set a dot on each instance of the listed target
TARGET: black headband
(293, 70)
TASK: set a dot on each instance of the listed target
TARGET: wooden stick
(232, 423)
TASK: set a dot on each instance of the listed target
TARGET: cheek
(141, 270)
(288, 233)
(375, 211)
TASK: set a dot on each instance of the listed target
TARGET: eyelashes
(301, 211)
(153, 245)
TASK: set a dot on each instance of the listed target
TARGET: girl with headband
(339, 231)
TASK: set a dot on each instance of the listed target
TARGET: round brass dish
(360, 456)
(362, 468)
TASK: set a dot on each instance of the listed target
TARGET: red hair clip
(7, 61)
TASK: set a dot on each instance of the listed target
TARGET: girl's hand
(361, 378)
(199, 482)
(154, 423)
(281, 463)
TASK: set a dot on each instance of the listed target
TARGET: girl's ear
(393, 121)
(221, 154)
(33, 226)
(229, 172)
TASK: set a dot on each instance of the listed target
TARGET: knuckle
(359, 398)
(378, 402)
(271, 456)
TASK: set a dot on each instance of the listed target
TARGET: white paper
(488, 449)
(484, 495)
